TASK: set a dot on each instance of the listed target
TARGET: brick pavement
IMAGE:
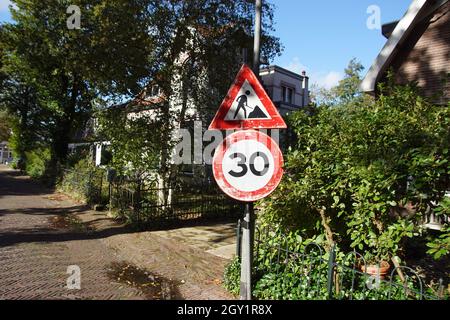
(35, 253)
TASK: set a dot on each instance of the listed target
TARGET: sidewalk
(195, 257)
(42, 233)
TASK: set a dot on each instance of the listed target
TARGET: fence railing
(91, 186)
(147, 205)
(305, 271)
(142, 204)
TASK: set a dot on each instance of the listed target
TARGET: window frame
(288, 93)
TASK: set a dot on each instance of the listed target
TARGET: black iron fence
(90, 186)
(147, 205)
(143, 204)
(286, 267)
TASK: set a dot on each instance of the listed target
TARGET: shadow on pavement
(13, 183)
(51, 233)
(44, 211)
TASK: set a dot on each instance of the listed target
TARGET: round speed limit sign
(248, 165)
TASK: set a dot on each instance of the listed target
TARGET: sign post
(248, 164)
(249, 226)
(247, 252)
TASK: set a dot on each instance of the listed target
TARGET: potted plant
(376, 264)
(380, 268)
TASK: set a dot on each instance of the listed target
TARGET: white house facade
(5, 153)
(288, 90)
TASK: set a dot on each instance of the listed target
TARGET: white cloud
(322, 79)
(4, 5)
(327, 80)
(296, 66)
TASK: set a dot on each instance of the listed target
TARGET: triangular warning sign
(247, 106)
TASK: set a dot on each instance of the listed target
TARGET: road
(46, 239)
(36, 249)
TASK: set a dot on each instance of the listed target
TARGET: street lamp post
(257, 40)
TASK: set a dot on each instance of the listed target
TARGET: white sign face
(247, 105)
(248, 165)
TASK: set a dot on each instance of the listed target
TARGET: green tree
(5, 125)
(18, 100)
(346, 91)
(122, 47)
(5, 121)
(69, 71)
(348, 88)
(197, 53)
(27, 120)
(134, 142)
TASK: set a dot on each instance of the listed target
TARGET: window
(288, 94)
(155, 91)
(188, 168)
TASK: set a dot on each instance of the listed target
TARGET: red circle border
(226, 187)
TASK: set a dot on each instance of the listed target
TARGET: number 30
(243, 164)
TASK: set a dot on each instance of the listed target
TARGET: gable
(425, 55)
(419, 18)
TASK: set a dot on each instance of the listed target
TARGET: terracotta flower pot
(374, 269)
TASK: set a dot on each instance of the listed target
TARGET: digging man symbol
(242, 104)
(242, 101)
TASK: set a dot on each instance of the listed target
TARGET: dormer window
(156, 91)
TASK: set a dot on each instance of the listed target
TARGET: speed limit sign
(248, 165)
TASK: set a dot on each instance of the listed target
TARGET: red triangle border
(276, 121)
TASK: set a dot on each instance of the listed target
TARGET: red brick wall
(425, 57)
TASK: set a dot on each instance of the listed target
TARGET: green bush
(279, 276)
(440, 246)
(287, 276)
(365, 174)
(232, 276)
(86, 182)
(37, 161)
(14, 164)
(81, 153)
(303, 274)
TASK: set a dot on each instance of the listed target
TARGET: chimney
(305, 89)
(244, 55)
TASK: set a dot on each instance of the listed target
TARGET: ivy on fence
(288, 267)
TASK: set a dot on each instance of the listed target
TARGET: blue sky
(322, 36)
(4, 13)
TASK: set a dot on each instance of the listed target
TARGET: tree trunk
(326, 225)
(164, 175)
(64, 127)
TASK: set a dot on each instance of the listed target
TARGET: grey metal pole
(246, 256)
(257, 40)
(248, 232)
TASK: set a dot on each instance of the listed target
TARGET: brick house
(417, 50)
